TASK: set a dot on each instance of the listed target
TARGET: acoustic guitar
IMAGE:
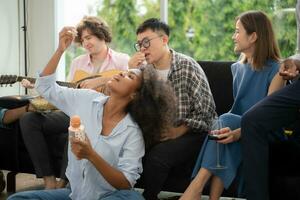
(79, 76)
(40, 104)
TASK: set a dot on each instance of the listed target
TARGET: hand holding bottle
(80, 144)
(81, 149)
(76, 129)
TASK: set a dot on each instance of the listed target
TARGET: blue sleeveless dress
(249, 87)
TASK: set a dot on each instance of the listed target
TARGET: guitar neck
(77, 79)
(31, 80)
(61, 83)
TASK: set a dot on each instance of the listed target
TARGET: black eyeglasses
(144, 43)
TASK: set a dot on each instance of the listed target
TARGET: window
(200, 29)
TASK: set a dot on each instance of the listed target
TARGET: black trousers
(165, 156)
(275, 111)
(46, 139)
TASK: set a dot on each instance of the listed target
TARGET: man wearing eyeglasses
(179, 145)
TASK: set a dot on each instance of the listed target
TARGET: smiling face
(243, 42)
(125, 84)
(91, 43)
(158, 41)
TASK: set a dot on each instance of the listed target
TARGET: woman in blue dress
(254, 76)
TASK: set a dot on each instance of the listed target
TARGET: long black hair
(153, 107)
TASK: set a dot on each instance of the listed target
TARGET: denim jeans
(58, 194)
(63, 194)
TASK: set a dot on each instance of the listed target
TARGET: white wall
(44, 19)
(10, 61)
(41, 38)
(41, 33)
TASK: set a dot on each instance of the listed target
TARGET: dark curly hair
(96, 26)
(153, 107)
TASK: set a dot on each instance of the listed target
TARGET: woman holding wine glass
(254, 76)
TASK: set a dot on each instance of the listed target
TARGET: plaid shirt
(196, 106)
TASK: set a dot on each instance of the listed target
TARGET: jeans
(63, 194)
(56, 194)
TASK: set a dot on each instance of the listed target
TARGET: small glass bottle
(76, 129)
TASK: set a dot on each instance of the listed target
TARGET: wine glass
(214, 135)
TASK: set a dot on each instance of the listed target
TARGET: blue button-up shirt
(123, 148)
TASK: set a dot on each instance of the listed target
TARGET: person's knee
(248, 118)
(124, 195)
(134, 195)
(17, 196)
(158, 158)
(253, 127)
(154, 161)
(28, 118)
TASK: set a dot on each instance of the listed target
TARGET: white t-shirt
(163, 73)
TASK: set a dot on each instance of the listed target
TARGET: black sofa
(284, 170)
(284, 173)
(220, 80)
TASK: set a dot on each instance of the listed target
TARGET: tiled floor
(29, 181)
(24, 182)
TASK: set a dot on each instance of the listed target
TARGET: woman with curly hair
(107, 164)
(40, 132)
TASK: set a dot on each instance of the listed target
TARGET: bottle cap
(75, 121)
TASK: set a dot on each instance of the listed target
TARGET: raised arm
(66, 36)
(65, 99)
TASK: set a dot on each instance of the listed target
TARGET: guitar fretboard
(61, 83)
(79, 77)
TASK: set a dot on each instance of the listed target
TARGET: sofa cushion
(220, 81)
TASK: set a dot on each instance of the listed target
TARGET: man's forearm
(13, 114)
